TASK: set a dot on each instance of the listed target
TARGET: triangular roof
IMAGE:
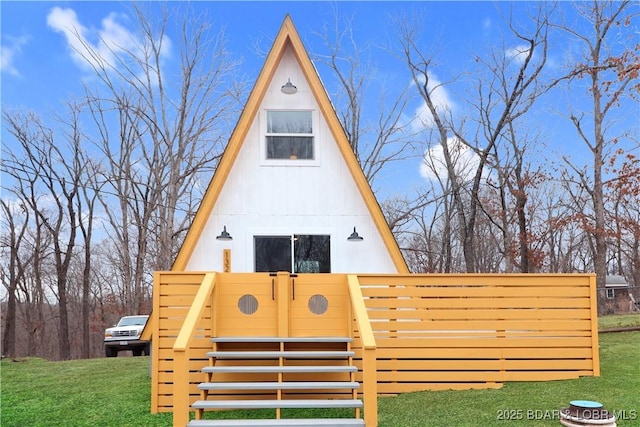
(287, 37)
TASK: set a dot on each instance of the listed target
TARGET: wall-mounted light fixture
(224, 235)
(355, 237)
(289, 88)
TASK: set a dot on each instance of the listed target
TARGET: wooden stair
(279, 373)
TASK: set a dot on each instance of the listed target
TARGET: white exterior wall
(291, 197)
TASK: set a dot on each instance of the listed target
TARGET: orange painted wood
(483, 365)
(470, 376)
(465, 303)
(493, 325)
(477, 291)
(429, 331)
(470, 354)
(482, 314)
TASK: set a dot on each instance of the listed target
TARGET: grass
(93, 392)
(619, 321)
(617, 388)
(116, 391)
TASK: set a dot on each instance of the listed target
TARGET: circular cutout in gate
(318, 304)
(248, 304)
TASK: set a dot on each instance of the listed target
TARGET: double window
(289, 135)
(300, 253)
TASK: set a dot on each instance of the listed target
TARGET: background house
(617, 296)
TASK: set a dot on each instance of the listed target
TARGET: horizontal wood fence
(476, 330)
(431, 332)
(173, 295)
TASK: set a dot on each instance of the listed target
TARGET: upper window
(290, 135)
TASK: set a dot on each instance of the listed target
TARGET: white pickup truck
(126, 336)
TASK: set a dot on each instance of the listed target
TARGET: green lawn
(116, 392)
(619, 321)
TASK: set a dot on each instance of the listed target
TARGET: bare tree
(386, 139)
(49, 174)
(429, 246)
(623, 213)
(610, 67)
(506, 95)
(514, 180)
(85, 205)
(436, 226)
(161, 132)
(12, 272)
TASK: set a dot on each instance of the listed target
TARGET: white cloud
(441, 101)
(465, 161)
(9, 49)
(518, 53)
(97, 47)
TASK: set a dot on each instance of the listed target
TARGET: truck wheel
(137, 351)
(147, 350)
(111, 352)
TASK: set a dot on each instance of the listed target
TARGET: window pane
(312, 254)
(272, 253)
(289, 122)
(290, 147)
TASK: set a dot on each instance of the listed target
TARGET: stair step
(301, 422)
(277, 369)
(298, 385)
(281, 339)
(285, 403)
(277, 354)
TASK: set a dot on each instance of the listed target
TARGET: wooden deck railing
(369, 370)
(412, 332)
(444, 331)
(182, 351)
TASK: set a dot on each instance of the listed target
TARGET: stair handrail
(369, 361)
(182, 350)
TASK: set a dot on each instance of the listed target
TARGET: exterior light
(355, 237)
(224, 235)
(289, 88)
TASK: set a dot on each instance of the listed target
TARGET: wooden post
(369, 349)
(282, 300)
(180, 388)
(595, 346)
(370, 392)
(155, 339)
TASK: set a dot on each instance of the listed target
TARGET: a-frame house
(288, 189)
(290, 291)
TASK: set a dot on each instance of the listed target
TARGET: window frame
(610, 293)
(265, 161)
(293, 246)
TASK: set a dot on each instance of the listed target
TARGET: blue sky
(39, 71)
(38, 68)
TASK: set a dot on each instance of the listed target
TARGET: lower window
(299, 253)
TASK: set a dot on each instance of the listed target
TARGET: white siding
(263, 199)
